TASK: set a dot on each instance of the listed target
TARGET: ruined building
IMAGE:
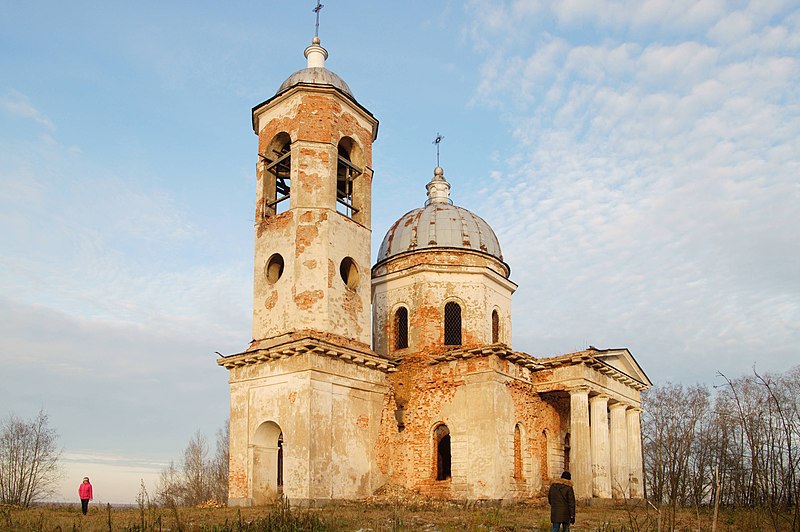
(402, 373)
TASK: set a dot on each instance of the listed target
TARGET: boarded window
(495, 327)
(441, 439)
(452, 324)
(401, 328)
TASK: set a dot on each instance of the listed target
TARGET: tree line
(736, 444)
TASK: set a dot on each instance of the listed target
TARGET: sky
(639, 161)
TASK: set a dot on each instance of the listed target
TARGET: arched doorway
(267, 472)
(441, 440)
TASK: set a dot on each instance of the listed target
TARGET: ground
(396, 511)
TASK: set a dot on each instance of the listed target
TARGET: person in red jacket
(85, 493)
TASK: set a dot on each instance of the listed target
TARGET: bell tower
(313, 201)
(307, 393)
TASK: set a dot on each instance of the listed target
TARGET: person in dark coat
(562, 503)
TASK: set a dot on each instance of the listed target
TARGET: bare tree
(200, 477)
(219, 465)
(29, 460)
(196, 471)
(672, 431)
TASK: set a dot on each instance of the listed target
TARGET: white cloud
(17, 104)
(655, 186)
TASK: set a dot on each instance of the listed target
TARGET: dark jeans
(84, 506)
(557, 527)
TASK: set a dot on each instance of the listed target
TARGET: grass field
(432, 515)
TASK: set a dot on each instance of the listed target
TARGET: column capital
(618, 405)
(598, 397)
(575, 390)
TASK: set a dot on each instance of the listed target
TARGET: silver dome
(439, 224)
(315, 76)
(315, 72)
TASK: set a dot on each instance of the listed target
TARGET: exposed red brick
(306, 300)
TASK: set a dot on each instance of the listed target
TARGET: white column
(635, 453)
(601, 463)
(580, 463)
(620, 470)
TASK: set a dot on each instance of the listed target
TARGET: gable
(622, 360)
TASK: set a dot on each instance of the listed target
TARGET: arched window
(401, 328)
(517, 452)
(441, 446)
(277, 162)
(452, 323)
(346, 174)
(495, 327)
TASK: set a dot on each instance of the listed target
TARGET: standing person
(562, 503)
(85, 493)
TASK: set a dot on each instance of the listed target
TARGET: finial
(439, 138)
(316, 29)
(438, 188)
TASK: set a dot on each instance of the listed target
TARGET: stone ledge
(309, 344)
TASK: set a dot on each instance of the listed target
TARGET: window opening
(566, 452)
(401, 328)
(517, 453)
(442, 442)
(495, 327)
(279, 164)
(274, 268)
(346, 173)
(349, 273)
(452, 324)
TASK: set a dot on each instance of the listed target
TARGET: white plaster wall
(329, 412)
(481, 422)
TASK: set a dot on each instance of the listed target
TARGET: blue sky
(639, 161)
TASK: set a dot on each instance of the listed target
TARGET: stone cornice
(308, 344)
(533, 364)
(499, 350)
(586, 358)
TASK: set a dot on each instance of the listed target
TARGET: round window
(349, 272)
(274, 268)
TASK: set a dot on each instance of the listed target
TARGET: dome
(439, 224)
(315, 73)
(315, 76)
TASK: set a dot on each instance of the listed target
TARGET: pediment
(622, 360)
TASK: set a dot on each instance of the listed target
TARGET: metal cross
(439, 138)
(317, 10)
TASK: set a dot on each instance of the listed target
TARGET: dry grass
(363, 516)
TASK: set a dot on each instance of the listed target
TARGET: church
(401, 372)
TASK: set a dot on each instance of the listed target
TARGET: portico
(604, 421)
